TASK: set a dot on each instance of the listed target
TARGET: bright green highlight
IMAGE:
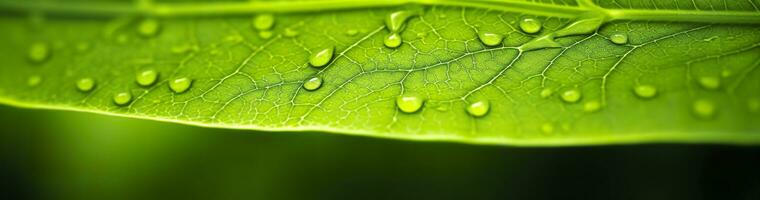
(571, 96)
(149, 27)
(263, 21)
(704, 108)
(709, 82)
(39, 52)
(645, 91)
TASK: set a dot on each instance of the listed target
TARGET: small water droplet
(704, 109)
(571, 96)
(312, 84)
(645, 91)
(396, 20)
(530, 25)
(409, 103)
(592, 106)
(39, 52)
(726, 73)
(546, 93)
(122, 98)
(263, 21)
(149, 27)
(393, 40)
(85, 84)
(491, 39)
(753, 105)
(266, 34)
(352, 32)
(146, 78)
(290, 32)
(180, 85)
(479, 108)
(547, 128)
(322, 57)
(33, 81)
(709, 82)
(421, 35)
(619, 38)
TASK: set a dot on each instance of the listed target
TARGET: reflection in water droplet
(322, 57)
(180, 85)
(263, 21)
(709, 82)
(645, 91)
(122, 98)
(592, 106)
(312, 84)
(146, 78)
(85, 84)
(33, 81)
(479, 108)
(393, 40)
(39, 52)
(704, 109)
(619, 38)
(149, 27)
(409, 103)
(530, 25)
(491, 39)
(571, 96)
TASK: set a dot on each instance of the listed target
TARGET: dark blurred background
(66, 155)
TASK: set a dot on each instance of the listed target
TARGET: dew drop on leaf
(352, 32)
(393, 40)
(709, 82)
(122, 98)
(725, 73)
(263, 21)
(409, 103)
(490, 39)
(619, 38)
(530, 25)
(312, 84)
(290, 32)
(266, 34)
(146, 78)
(180, 85)
(39, 52)
(704, 109)
(322, 57)
(148, 27)
(547, 128)
(645, 91)
(546, 93)
(396, 20)
(85, 84)
(479, 108)
(592, 106)
(33, 80)
(571, 96)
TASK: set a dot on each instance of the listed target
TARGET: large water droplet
(396, 20)
(619, 38)
(39, 52)
(149, 27)
(393, 40)
(33, 81)
(85, 84)
(146, 78)
(704, 109)
(180, 85)
(479, 108)
(592, 106)
(263, 21)
(530, 25)
(312, 84)
(322, 57)
(645, 91)
(122, 98)
(571, 96)
(409, 103)
(491, 39)
(709, 82)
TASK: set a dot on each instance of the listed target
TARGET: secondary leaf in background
(499, 71)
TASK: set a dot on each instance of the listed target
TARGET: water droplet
(312, 84)
(619, 38)
(479, 108)
(408, 103)
(146, 78)
(289, 32)
(266, 34)
(396, 20)
(85, 84)
(33, 81)
(322, 57)
(149, 27)
(704, 109)
(645, 91)
(491, 39)
(39, 52)
(263, 21)
(352, 32)
(393, 40)
(592, 106)
(180, 85)
(546, 93)
(547, 128)
(726, 73)
(530, 25)
(122, 98)
(753, 105)
(709, 82)
(571, 96)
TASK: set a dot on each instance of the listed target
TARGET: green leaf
(550, 72)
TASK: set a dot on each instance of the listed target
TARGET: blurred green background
(66, 155)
